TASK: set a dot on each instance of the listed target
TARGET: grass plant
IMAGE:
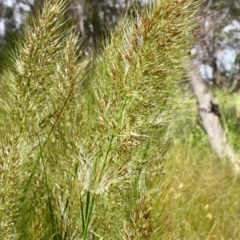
(36, 97)
(81, 149)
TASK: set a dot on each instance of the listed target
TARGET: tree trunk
(210, 115)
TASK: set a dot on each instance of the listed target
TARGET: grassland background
(203, 193)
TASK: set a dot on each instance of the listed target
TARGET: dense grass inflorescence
(35, 113)
(82, 147)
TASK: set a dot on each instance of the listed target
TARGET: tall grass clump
(36, 131)
(133, 84)
(83, 161)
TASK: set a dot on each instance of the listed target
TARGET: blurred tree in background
(92, 17)
(217, 45)
(216, 50)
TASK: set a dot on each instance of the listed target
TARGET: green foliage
(230, 114)
(6, 49)
(201, 199)
(35, 113)
(81, 149)
(203, 193)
